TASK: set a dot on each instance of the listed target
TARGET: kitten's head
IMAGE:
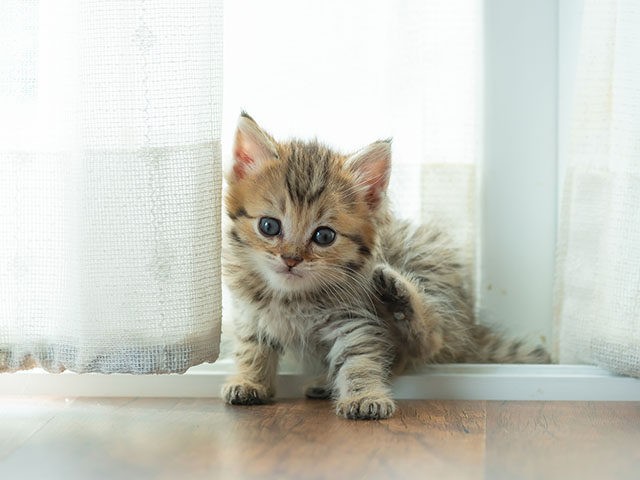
(304, 217)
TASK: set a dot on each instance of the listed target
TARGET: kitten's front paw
(365, 408)
(393, 292)
(246, 394)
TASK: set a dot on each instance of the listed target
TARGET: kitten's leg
(413, 313)
(360, 363)
(362, 391)
(254, 383)
(397, 294)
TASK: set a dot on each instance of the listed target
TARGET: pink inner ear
(243, 160)
(373, 196)
(371, 166)
(377, 179)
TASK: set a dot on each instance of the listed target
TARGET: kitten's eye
(269, 226)
(324, 236)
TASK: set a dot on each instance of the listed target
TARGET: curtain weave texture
(598, 287)
(110, 115)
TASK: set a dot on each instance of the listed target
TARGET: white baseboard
(455, 382)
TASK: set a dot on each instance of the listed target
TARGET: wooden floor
(186, 438)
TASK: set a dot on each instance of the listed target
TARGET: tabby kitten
(317, 264)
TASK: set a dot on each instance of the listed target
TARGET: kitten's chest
(292, 326)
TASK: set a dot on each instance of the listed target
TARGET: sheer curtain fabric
(598, 277)
(110, 117)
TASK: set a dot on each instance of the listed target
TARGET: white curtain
(110, 118)
(353, 72)
(598, 277)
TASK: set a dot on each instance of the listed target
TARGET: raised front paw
(246, 393)
(393, 291)
(366, 407)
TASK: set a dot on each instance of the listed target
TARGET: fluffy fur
(381, 296)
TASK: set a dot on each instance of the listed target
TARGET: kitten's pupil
(269, 226)
(324, 236)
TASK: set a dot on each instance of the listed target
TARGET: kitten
(317, 264)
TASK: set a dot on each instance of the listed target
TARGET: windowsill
(456, 382)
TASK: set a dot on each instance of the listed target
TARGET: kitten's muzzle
(291, 260)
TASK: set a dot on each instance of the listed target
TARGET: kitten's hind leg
(410, 313)
(398, 296)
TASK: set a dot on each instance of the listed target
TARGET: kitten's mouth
(289, 273)
(288, 279)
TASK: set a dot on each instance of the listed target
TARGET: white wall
(569, 34)
(518, 204)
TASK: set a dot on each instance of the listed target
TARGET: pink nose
(291, 260)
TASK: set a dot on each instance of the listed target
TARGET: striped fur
(383, 296)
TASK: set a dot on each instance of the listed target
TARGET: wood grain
(303, 439)
(586, 440)
(306, 440)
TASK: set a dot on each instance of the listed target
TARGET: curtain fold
(110, 181)
(598, 270)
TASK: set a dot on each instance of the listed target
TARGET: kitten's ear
(252, 147)
(372, 168)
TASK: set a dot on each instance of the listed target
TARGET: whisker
(360, 287)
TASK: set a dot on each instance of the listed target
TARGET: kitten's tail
(493, 347)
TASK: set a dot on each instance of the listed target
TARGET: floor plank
(586, 440)
(200, 438)
(306, 440)
(301, 439)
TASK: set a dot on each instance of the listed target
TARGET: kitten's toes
(383, 281)
(393, 292)
(246, 393)
(390, 284)
(365, 408)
